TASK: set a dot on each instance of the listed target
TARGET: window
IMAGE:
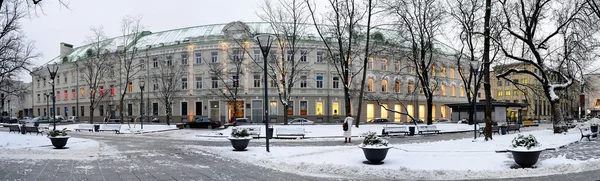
(506, 82)
(384, 86)
(422, 111)
(82, 92)
(303, 54)
(516, 81)
(336, 82)
(101, 110)
(320, 57)
(57, 79)
(65, 78)
(236, 81)
(384, 112)
(289, 54)
(184, 59)
(443, 89)
(453, 90)
(142, 64)
(154, 62)
(198, 56)
(336, 108)
(370, 85)
(57, 95)
(303, 83)
(44, 82)
(443, 71)
(198, 82)
(130, 87)
(38, 97)
(73, 77)
(273, 83)
(198, 109)
(433, 70)
(184, 108)
(397, 86)
(515, 92)
(169, 60)
(155, 84)
(370, 64)
(214, 57)
(38, 83)
(290, 110)
(73, 94)
(499, 83)
(82, 111)
(507, 93)
(184, 83)
(129, 109)
(256, 80)
(273, 108)
(215, 82)
(500, 93)
(101, 90)
(319, 81)
(384, 64)
(411, 86)
(370, 112)
(303, 108)
(397, 67)
(442, 111)
(461, 92)
(433, 111)
(155, 108)
(397, 117)
(66, 92)
(319, 108)
(257, 56)
(525, 81)
(235, 55)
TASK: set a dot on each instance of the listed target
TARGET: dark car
(203, 123)
(242, 121)
(380, 120)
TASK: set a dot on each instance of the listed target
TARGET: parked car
(59, 118)
(380, 120)
(155, 120)
(203, 123)
(301, 121)
(73, 119)
(442, 120)
(242, 121)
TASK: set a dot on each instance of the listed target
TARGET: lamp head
(265, 41)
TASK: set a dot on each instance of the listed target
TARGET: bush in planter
(239, 133)
(374, 148)
(55, 133)
(526, 150)
(58, 138)
(239, 139)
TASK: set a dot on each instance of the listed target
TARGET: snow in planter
(372, 140)
(525, 141)
(239, 133)
(55, 133)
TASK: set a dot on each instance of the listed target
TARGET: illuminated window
(384, 112)
(82, 92)
(73, 94)
(507, 93)
(66, 94)
(453, 90)
(101, 90)
(319, 108)
(525, 81)
(422, 112)
(273, 108)
(433, 70)
(397, 86)
(410, 109)
(303, 108)
(411, 86)
(515, 92)
(397, 117)
(370, 112)
(336, 108)
(384, 85)
(112, 90)
(371, 85)
(57, 95)
(443, 71)
(433, 112)
(500, 93)
(443, 90)
(462, 91)
(130, 87)
(443, 112)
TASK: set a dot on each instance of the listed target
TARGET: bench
(252, 131)
(111, 127)
(14, 128)
(33, 129)
(44, 126)
(389, 130)
(428, 129)
(514, 128)
(88, 127)
(289, 132)
(586, 133)
(495, 129)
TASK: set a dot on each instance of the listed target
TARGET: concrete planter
(59, 141)
(375, 155)
(240, 144)
(526, 158)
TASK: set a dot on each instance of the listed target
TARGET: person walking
(347, 126)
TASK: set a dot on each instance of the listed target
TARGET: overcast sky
(58, 24)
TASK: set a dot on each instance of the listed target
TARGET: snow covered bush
(55, 133)
(594, 122)
(239, 133)
(372, 140)
(525, 141)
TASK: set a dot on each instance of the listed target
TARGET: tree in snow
(554, 51)
(127, 53)
(168, 76)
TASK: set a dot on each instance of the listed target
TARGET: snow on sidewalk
(443, 160)
(18, 146)
(126, 129)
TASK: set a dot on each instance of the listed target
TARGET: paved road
(153, 158)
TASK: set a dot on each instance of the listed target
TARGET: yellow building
(527, 90)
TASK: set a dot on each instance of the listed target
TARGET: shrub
(239, 133)
(525, 141)
(371, 139)
(55, 133)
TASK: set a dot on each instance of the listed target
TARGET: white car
(301, 121)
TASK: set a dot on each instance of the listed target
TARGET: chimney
(120, 48)
(65, 48)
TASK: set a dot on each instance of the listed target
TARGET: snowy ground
(129, 129)
(18, 146)
(442, 160)
(333, 131)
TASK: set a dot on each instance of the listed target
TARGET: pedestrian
(347, 127)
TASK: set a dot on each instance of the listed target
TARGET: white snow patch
(18, 146)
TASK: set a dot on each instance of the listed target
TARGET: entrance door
(214, 111)
(240, 110)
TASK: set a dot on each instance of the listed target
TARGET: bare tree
(555, 65)
(340, 38)
(96, 67)
(168, 76)
(16, 53)
(420, 21)
(127, 52)
(288, 19)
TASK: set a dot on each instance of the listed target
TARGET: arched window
(453, 90)
(443, 71)
(433, 70)
(462, 91)
(384, 64)
(451, 73)
(371, 84)
(384, 85)
(411, 86)
(443, 89)
(397, 86)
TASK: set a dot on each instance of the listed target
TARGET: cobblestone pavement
(149, 157)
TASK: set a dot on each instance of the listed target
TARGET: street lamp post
(142, 85)
(52, 69)
(47, 105)
(264, 42)
(475, 69)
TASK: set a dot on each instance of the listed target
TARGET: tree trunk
(91, 115)
(347, 100)
(559, 124)
(486, 70)
(285, 113)
(429, 110)
(471, 113)
(169, 113)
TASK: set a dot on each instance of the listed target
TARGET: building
(591, 95)
(530, 93)
(16, 99)
(317, 95)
